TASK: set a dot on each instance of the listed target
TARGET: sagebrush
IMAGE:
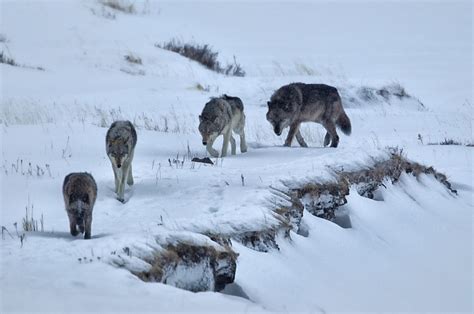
(119, 5)
(203, 54)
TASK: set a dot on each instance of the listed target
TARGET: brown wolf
(80, 193)
(295, 103)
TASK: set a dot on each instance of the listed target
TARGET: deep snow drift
(409, 250)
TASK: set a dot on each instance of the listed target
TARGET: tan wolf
(120, 141)
(295, 103)
(80, 193)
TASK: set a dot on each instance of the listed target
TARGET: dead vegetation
(119, 5)
(29, 222)
(10, 61)
(7, 60)
(451, 141)
(262, 240)
(131, 58)
(370, 179)
(202, 88)
(216, 267)
(204, 55)
(322, 199)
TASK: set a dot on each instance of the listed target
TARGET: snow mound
(188, 261)
(392, 95)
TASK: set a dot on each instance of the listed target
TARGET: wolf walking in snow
(295, 103)
(80, 193)
(120, 142)
(221, 116)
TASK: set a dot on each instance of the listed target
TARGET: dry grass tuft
(119, 5)
(131, 58)
(7, 60)
(181, 256)
(204, 55)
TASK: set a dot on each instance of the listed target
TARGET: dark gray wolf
(80, 193)
(120, 142)
(221, 116)
(295, 103)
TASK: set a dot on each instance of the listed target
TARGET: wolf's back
(122, 130)
(234, 102)
(80, 183)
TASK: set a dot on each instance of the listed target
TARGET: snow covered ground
(410, 252)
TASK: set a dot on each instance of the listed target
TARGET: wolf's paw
(87, 235)
(287, 145)
(121, 200)
(214, 153)
(327, 139)
(243, 150)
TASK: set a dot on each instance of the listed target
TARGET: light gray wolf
(80, 193)
(295, 103)
(221, 116)
(120, 141)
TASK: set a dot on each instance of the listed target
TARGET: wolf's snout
(119, 166)
(277, 131)
(204, 143)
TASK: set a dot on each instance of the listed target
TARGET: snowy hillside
(404, 72)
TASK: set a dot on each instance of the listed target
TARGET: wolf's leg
(225, 145)
(210, 150)
(72, 225)
(331, 128)
(81, 225)
(291, 134)
(243, 143)
(116, 175)
(300, 139)
(88, 223)
(117, 182)
(327, 139)
(232, 144)
(130, 175)
(124, 178)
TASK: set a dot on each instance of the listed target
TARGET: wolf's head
(209, 129)
(79, 204)
(280, 115)
(118, 152)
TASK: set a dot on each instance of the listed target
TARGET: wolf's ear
(200, 118)
(269, 103)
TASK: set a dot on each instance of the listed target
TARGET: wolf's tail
(344, 123)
